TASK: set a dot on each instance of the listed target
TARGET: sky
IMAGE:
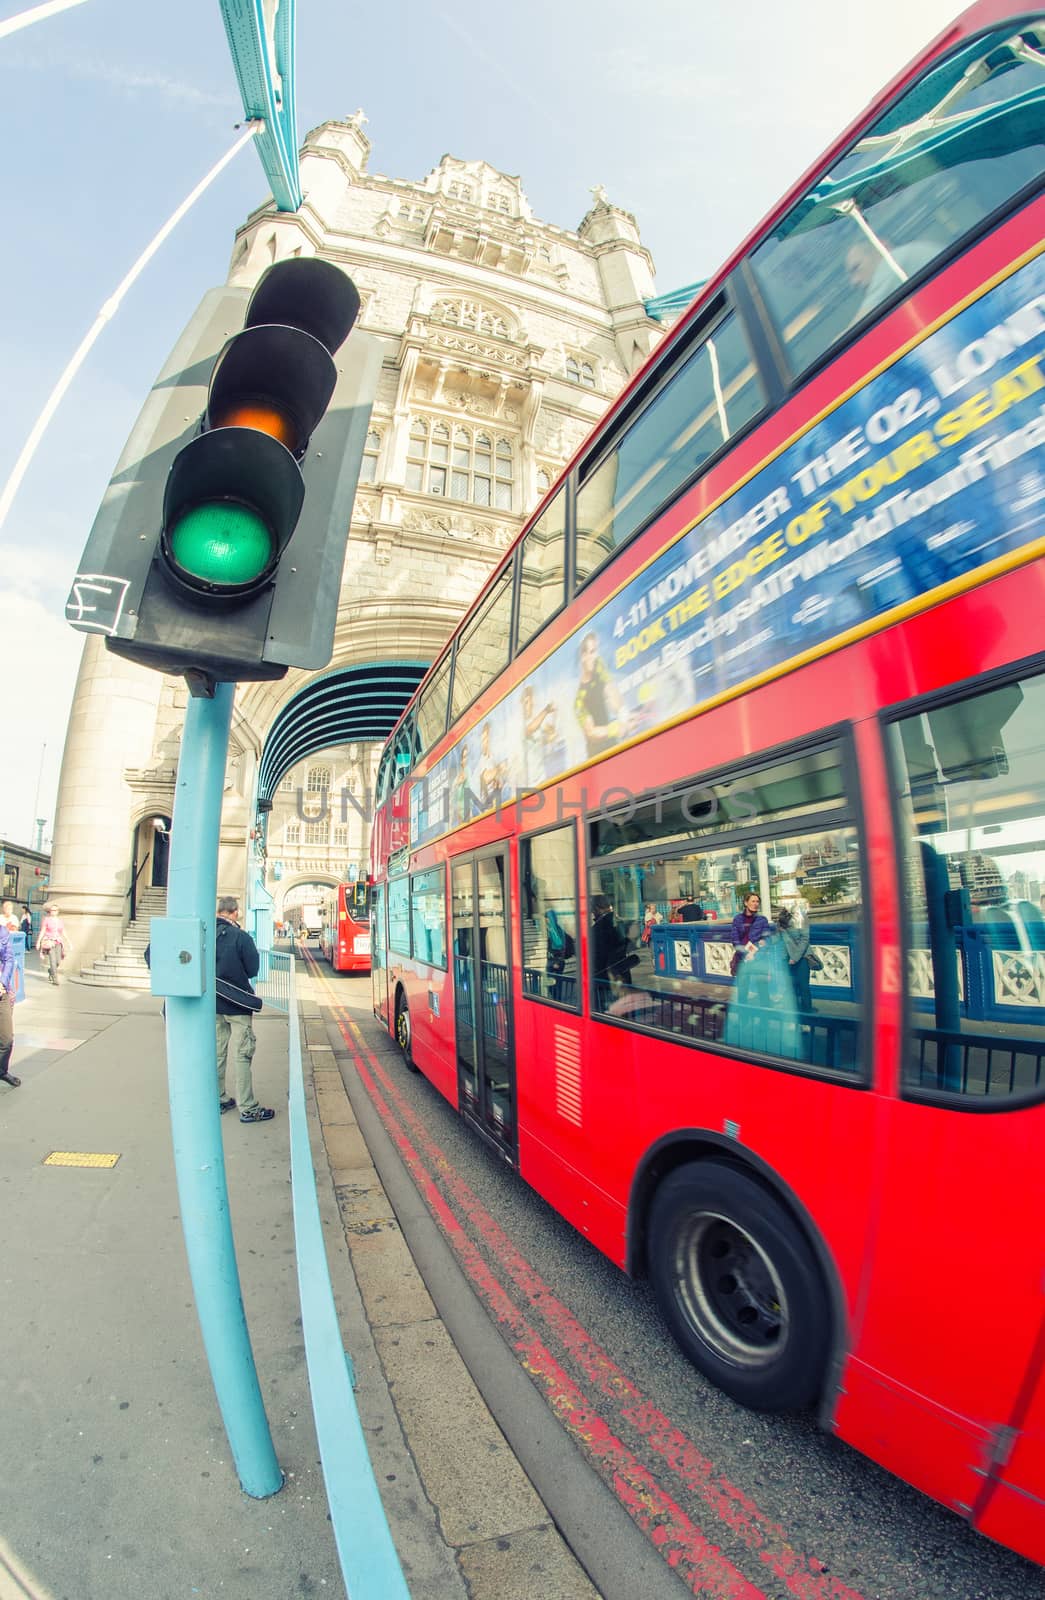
(696, 118)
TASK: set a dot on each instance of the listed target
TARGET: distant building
(26, 874)
(318, 831)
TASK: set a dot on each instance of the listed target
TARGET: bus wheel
(738, 1286)
(403, 1029)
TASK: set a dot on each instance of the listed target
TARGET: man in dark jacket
(609, 946)
(236, 961)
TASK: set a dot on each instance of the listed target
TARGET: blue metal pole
(199, 1157)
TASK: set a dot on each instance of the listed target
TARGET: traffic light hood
(309, 294)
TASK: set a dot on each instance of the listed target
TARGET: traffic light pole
(182, 960)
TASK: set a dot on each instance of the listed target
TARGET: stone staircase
(124, 967)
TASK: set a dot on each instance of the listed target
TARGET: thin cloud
(129, 79)
(513, 84)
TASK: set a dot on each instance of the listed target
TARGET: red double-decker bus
(710, 856)
(344, 940)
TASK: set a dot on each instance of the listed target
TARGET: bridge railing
(274, 979)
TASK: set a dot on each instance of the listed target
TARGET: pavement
(119, 1483)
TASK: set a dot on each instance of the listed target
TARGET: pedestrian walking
(27, 927)
(53, 943)
(7, 1009)
(9, 917)
(236, 962)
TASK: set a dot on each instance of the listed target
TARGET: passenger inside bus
(782, 832)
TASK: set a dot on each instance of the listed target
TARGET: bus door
(378, 959)
(482, 995)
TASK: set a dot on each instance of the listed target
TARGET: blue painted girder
(261, 41)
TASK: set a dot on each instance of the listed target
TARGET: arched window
(371, 451)
(469, 314)
(286, 783)
(500, 202)
(459, 191)
(317, 832)
(341, 836)
(292, 832)
(544, 483)
(468, 466)
(318, 779)
(582, 372)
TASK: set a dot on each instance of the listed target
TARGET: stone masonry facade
(505, 340)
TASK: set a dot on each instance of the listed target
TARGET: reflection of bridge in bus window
(973, 798)
(709, 397)
(945, 156)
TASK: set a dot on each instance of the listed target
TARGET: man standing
(7, 1009)
(236, 961)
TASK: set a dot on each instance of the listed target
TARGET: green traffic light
(222, 543)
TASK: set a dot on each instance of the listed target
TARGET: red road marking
(804, 1576)
(682, 1544)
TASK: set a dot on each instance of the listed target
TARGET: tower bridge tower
(505, 339)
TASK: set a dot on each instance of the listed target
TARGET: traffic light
(218, 548)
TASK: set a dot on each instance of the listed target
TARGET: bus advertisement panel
(925, 480)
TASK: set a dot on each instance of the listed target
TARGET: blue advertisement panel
(933, 470)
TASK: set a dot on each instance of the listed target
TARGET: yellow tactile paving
(80, 1158)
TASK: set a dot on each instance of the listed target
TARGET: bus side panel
(1016, 1520)
(574, 1102)
(1014, 1509)
(938, 1452)
(955, 1307)
(633, 1091)
(812, 1141)
(430, 997)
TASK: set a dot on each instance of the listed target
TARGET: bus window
(705, 401)
(377, 932)
(971, 785)
(357, 901)
(542, 570)
(428, 916)
(548, 880)
(431, 709)
(799, 786)
(670, 947)
(399, 915)
(482, 649)
(951, 152)
(383, 783)
(404, 752)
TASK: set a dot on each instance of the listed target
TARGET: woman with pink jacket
(52, 942)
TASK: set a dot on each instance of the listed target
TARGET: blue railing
(273, 980)
(369, 1563)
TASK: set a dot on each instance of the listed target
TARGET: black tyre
(404, 1038)
(739, 1287)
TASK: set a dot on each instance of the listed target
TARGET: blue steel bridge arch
(346, 706)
